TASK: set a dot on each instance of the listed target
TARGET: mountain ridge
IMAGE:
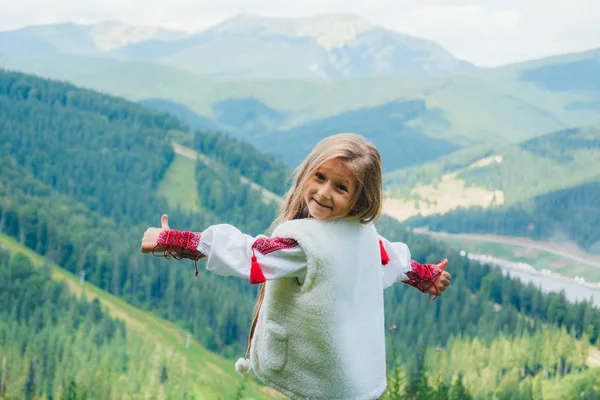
(329, 45)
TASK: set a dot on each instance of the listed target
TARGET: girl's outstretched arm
(399, 267)
(229, 252)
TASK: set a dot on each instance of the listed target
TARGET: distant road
(576, 255)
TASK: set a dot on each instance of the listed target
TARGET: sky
(484, 32)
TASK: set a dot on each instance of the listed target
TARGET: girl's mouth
(322, 205)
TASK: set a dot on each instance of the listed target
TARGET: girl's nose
(324, 191)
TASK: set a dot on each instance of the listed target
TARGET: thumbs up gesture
(441, 283)
(150, 238)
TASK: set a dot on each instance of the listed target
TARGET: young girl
(318, 329)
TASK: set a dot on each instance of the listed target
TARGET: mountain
(183, 113)
(337, 45)
(71, 38)
(332, 46)
(574, 73)
(390, 127)
(483, 107)
(485, 176)
(80, 180)
(564, 74)
(248, 117)
(592, 55)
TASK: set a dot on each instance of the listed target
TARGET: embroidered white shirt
(229, 252)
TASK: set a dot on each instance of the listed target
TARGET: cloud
(469, 32)
(489, 35)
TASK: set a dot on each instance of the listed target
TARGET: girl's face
(330, 190)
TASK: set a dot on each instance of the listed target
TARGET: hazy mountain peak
(329, 30)
(111, 35)
(334, 30)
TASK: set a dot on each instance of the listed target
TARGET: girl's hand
(150, 238)
(441, 283)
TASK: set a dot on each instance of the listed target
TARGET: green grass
(179, 184)
(214, 377)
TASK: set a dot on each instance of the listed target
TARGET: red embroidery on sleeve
(422, 273)
(178, 245)
(265, 246)
(268, 245)
(185, 240)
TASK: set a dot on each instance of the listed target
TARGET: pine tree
(394, 377)
(71, 392)
(458, 391)
(418, 387)
(29, 388)
(164, 376)
(441, 391)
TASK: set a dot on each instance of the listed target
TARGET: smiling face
(330, 191)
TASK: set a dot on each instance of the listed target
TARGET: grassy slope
(512, 174)
(214, 377)
(179, 184)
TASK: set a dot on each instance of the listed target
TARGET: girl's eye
(342, 188)
(320, 176)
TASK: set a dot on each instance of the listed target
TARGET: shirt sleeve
(399, 262)
(229, 252)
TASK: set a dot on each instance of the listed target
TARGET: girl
(318, 328)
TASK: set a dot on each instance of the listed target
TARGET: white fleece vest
(324, 338)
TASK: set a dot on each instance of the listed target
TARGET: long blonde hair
(362, 158)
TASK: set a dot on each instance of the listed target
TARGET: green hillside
(152, 348)
(55, 202)
(390, 127)
(571, 214)
(183, 113)
(538, 166)
(82, 175)
(574, 72)
(485, 177)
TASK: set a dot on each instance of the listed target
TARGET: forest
(78, 178)
(570, 214)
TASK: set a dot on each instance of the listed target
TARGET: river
(546, 281)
